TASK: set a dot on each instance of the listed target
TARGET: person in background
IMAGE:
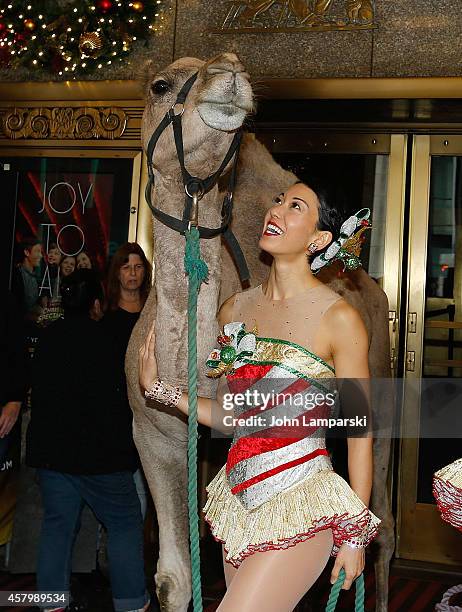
(128, 286)
(54, 255)
(79, 442)
(25, 282)
(83, 261)
(67, 266)
(13, 367)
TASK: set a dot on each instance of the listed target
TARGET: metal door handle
(410, 361)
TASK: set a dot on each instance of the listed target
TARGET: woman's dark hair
(79, 291)
(331, 209)
(121, 258)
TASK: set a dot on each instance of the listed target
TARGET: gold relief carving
(65, 122)
(298, 15)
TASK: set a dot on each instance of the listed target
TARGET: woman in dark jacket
(80, 441)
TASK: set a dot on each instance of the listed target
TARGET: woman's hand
(147, 360)
(352, 560)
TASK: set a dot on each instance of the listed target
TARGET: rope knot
(193, 264)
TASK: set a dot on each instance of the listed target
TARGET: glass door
(367, 170)
(431, 415)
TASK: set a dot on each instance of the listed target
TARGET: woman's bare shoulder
(343, 318)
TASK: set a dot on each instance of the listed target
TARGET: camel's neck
(172, 285)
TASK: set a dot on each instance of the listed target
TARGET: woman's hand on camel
(147, 360)
(352, 560)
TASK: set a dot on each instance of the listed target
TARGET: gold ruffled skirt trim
(321, 501)
(447, 489)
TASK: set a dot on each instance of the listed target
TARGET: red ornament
(104, 5)
(223, 340)
(365, 223)
(2, 26)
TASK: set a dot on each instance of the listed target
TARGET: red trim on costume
(279, 468)
(343, 528)
(246, 376)
(449, 501)
(274, 437)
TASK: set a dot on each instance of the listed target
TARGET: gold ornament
(138, 6)
(29, 24)
(90, 44)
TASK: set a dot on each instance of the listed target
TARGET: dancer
(447, 489)
(277, 506)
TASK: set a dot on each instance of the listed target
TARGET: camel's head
(215, 107)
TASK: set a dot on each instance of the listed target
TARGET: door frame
(421, 534)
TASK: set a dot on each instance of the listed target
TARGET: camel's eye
(160, 87)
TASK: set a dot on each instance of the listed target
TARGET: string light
(60, 35)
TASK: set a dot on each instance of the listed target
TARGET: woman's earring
(313, 247)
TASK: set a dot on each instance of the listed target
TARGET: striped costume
(278, 487)
(447, 489)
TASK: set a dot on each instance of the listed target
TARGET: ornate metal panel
(298, 15)
(65, 122)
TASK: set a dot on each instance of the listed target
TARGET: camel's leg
(380, 505)
(164, 464)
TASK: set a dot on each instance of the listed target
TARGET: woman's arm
(350, 350)
(209, 411)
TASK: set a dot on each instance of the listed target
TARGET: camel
(215, 107)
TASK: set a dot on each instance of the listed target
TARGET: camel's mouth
(226, 102)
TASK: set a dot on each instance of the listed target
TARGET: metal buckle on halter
(194, 217)
(172, 113)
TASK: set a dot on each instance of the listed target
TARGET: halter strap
(196, 187)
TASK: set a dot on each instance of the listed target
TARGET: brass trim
(60, 122)
(144, 230)
(130, 92)
(417, 261)
(393, 247)
(445, 144)
(134, 198)
(427, 538)
(300, 141)
(421, 534)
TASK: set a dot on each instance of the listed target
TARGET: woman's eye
(160, 87)
(277, 200)
(295, 205)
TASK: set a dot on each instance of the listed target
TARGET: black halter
(195, 188)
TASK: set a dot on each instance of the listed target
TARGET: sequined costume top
(278, 486)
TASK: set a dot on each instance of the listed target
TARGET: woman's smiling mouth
(272, 230)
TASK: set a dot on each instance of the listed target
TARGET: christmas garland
(72, 38)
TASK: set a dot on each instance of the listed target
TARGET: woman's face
(131, 274)
(67, 266)
(290, 224)
(83, 261)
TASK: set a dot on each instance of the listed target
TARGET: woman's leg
(113, 499)
(230, 570)
(276, 580)
(62, 505)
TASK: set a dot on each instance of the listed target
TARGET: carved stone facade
(298, 15)
(65, 123)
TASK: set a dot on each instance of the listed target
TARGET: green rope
(335, 591)
(197, 271)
